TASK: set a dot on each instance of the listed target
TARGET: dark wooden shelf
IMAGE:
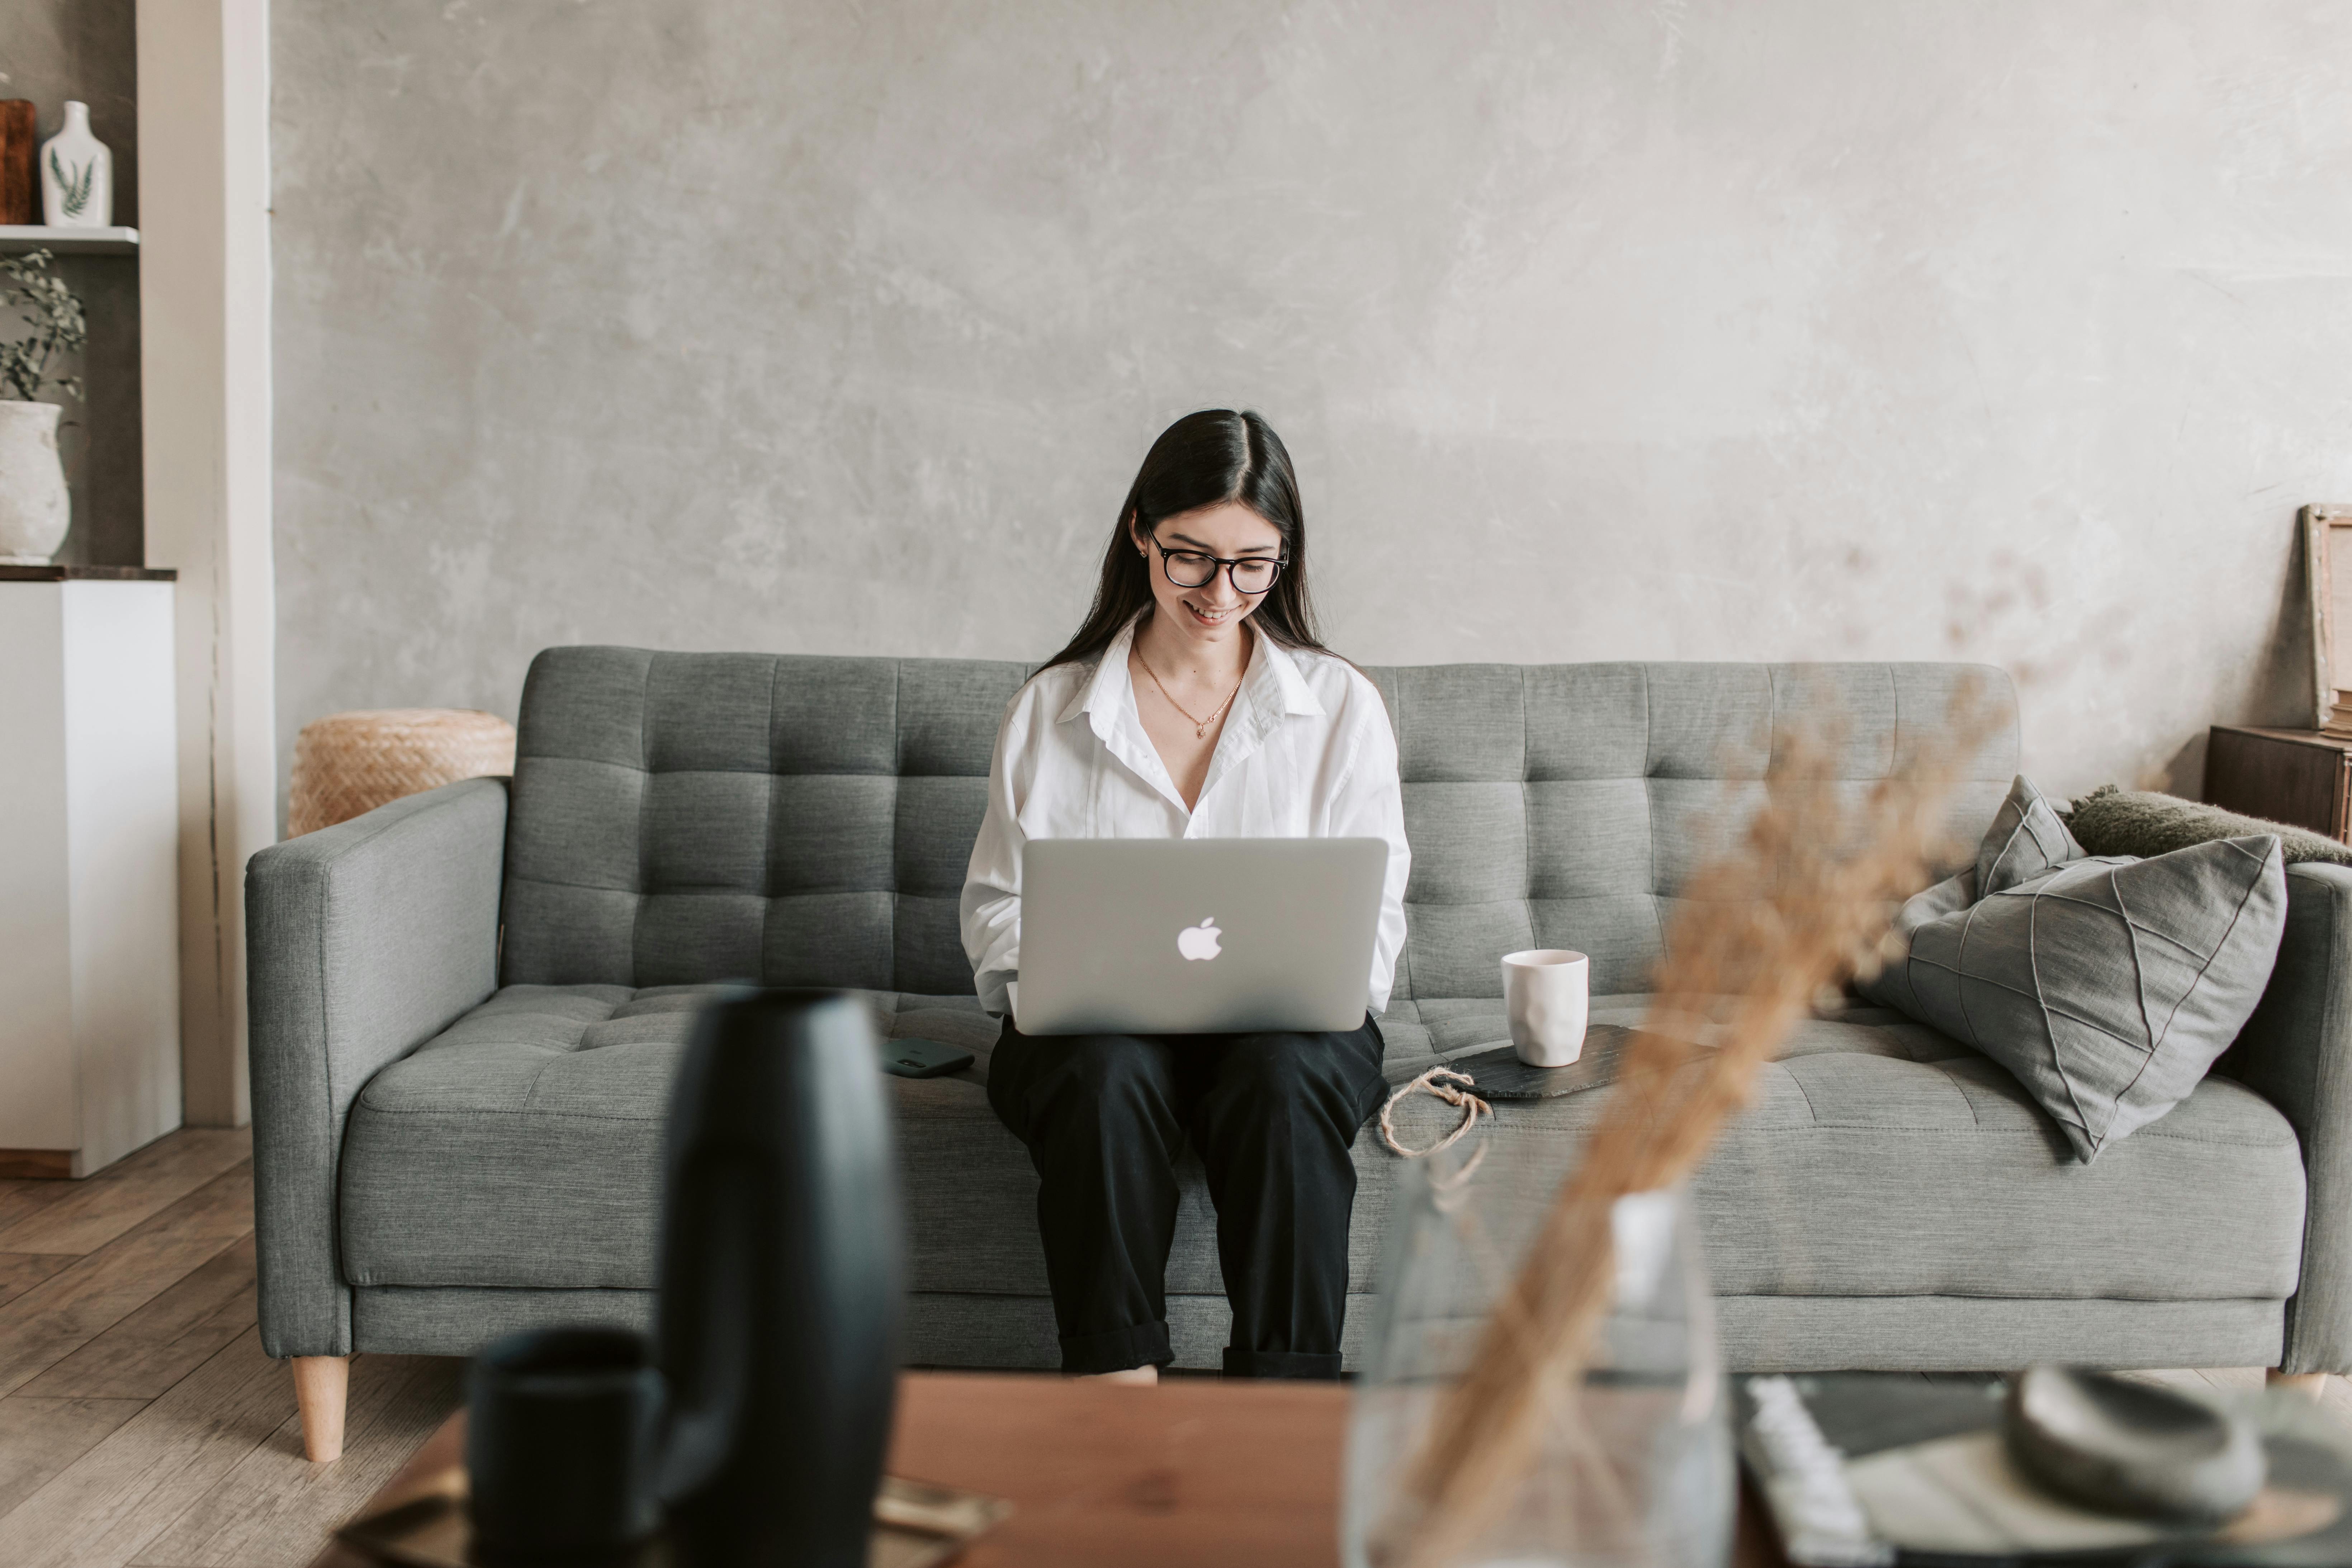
(2297, 776)
(15, 573)
(2293, 737)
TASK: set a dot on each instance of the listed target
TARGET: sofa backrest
(805, 821)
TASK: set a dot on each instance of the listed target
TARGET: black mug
(562, 1434)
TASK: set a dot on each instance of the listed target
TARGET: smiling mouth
(1212, 617)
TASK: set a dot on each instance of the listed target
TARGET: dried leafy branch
(53, 314)
(1801, 902)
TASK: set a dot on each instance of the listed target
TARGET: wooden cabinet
(2297, 776)
(89, 952)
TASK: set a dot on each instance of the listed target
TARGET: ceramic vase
(77, 175)
(35, 510)
(1632, 1461)
(782, 1280)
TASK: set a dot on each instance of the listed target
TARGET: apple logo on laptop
(1200, 941)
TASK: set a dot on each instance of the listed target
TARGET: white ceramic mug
(1547, 991)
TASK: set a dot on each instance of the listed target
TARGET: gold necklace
(1199, 726)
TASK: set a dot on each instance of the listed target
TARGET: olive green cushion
(2111, 821)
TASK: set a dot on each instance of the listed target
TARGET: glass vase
(1632, 1462)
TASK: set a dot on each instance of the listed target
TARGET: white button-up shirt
(1306, 753)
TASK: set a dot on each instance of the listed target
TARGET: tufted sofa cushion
(1567, 806)
(521, 1148)
(681, 818)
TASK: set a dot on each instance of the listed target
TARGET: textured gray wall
(1699, 329)
(51, 50)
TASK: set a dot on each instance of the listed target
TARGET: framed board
(2327, 568)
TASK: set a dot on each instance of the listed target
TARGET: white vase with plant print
(77, 175)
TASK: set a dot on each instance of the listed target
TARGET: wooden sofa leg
(321, 1382)
(2311, 1385)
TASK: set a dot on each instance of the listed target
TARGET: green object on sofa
(2112, 821)
(452, 1140)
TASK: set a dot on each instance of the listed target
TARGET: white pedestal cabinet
(90, 967)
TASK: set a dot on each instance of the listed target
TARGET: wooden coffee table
(1196, 1471)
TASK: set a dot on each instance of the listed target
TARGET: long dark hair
(1204, 459)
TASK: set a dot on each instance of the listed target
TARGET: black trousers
(1272, 1115)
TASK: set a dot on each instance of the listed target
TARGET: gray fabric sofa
(467, 1007)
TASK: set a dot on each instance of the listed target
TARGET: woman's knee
(1095, 1079)
(1115, 1064)
(1290, 1067)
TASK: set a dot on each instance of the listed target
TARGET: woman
(1195, 702)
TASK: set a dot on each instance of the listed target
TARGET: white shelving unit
(90, 957)
(16, 238)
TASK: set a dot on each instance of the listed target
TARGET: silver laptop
(1178, 936)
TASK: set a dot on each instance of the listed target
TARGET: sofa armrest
(2296, 1052)
(363, 941)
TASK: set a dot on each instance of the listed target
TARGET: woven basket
(347, 763)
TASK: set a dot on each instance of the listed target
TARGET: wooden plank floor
(140, 1423)
(141, 1427)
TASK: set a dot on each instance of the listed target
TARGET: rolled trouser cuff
(1304, 1365)
(1121, 1350)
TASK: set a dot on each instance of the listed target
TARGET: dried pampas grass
(1798, 904)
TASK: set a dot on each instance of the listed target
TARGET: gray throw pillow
(2111, 821)
(2026, 838)
(2108, 986)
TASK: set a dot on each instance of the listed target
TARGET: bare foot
(1142, 1376)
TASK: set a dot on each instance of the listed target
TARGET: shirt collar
(1272, 684)
(1100, 697)
(1291, 693)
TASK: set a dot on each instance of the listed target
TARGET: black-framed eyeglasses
(1251, 574)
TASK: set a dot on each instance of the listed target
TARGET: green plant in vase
(49, 328)
(52, 314)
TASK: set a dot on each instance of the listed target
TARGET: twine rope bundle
(1470, 1105)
